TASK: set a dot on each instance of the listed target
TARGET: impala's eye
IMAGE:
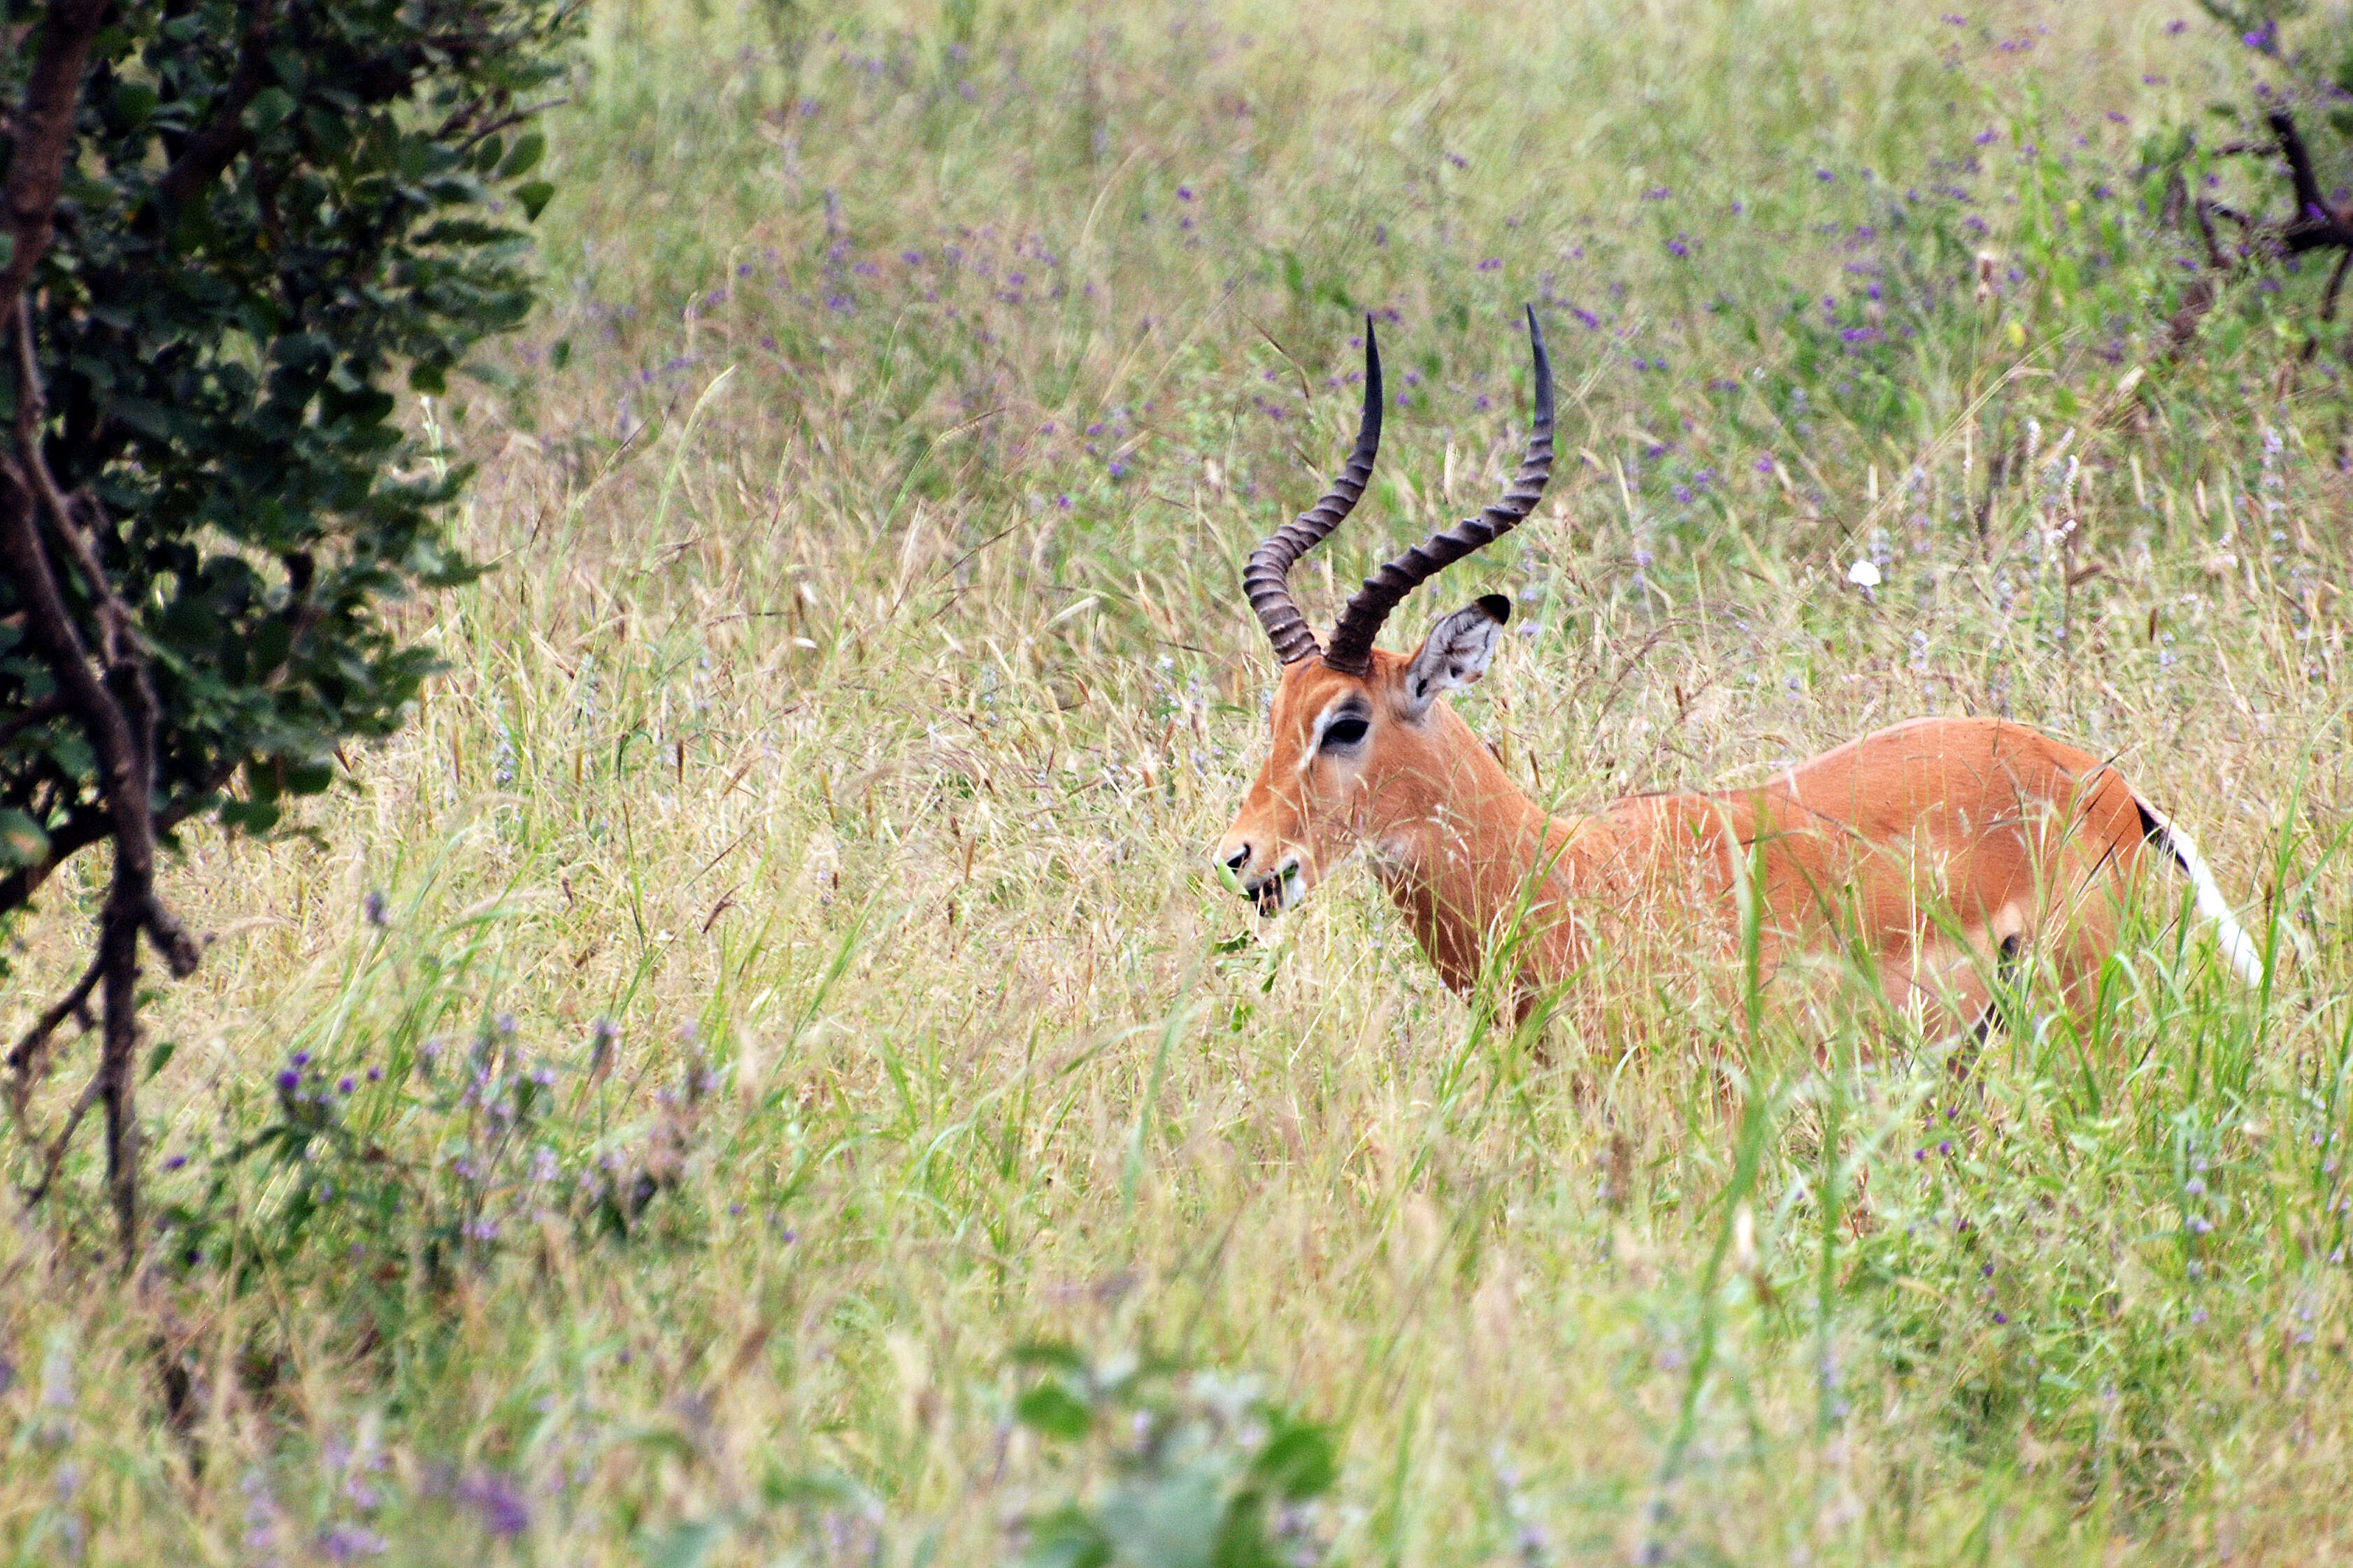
(1341, 734)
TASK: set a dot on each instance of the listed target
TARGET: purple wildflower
(504, 1510)
(289, 1080)
(371, 906)
(1491, 264)
(349, 1542)
(345, 1084)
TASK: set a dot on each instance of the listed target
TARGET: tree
(226, 226)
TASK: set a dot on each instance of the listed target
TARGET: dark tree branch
(86, 828)
(31, 1051)
(220, 139)
(2314, 225)
(509, 120)
(2308, 203)
(44, 122)
(2214, 257)
(118, 713)
(64, 1139)
(2335, 282)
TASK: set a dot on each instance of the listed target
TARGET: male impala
(1946, 848)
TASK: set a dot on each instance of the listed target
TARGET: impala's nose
(1238, 858)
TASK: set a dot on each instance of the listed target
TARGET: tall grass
(797, 981)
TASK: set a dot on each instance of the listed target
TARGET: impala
(1947, 850)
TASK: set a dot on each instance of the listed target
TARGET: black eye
(1343, 732)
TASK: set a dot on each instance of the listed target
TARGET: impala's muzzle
(1279, 885)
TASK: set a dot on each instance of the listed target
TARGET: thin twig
(57, 1145)
(74, 1003)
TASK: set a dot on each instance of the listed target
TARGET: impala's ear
(1456, 652)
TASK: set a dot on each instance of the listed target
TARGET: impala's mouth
(1284, 889)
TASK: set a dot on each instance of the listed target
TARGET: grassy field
(778, 974)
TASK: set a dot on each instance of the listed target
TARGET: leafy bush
(1190, 1469)
(264, 219)
(507, 1145)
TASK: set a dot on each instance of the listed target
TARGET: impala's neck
(1456, 847)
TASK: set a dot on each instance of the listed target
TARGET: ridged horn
(1351, 652)
(1267, 579)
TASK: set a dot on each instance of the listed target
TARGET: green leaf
(253, 817)
(23, 841)
(1172, 1522)
(1298, 1462)
(1066, 1539)
(528, 148)
(150, 418)
(688, 1543)
(535, 197)
(1052, 1409)
(268, 110)
(808, 1488)
(163, 1052)
(1056, 1354)
(309, 778)
(135, 101)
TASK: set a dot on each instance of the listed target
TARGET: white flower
(1864, 574)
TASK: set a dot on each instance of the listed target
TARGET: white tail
(2237, 946)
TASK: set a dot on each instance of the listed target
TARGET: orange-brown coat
(1936, 847)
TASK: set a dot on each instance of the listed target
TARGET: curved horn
(1266, 580)
(1351, 652)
